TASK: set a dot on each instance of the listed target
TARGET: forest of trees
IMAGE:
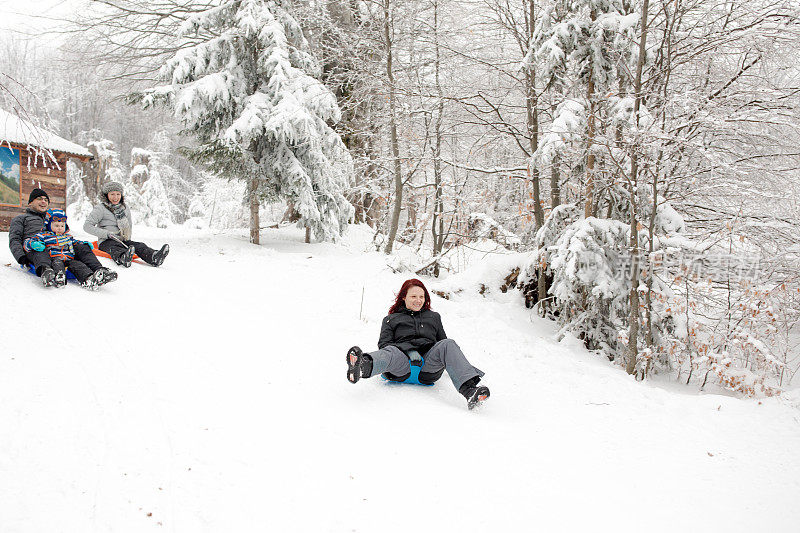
(640, 157)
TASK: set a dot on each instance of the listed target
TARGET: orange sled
(100, 253)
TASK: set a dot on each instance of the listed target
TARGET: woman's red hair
(401, 296)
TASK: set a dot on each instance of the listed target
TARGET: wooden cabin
(30, 158)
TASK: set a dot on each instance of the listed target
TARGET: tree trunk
(437, 223)
(649, 297)
(633, 319)
(532, 114)
(633, 334)
(291, 214)
(555, 180)
(590, 133)
(398, 178)
(94, 173)
(252, 196)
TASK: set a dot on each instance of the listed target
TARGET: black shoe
(359, 365)
(60, 278)
(105, 275)
(126, 257)
(48, 277)
(474, 394)
(158, 257)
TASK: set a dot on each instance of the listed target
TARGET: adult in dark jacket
(412, 334)
(31, 222)
(112, 223)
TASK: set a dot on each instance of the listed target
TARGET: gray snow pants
(444, 355)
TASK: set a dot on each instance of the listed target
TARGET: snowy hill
(210, 396)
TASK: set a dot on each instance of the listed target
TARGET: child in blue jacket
(59, 244)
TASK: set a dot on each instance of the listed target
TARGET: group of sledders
(413, 347)
(40, 238)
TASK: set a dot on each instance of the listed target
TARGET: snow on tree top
(140, 153)
(482, 225)
(18, 131)
(139, 173)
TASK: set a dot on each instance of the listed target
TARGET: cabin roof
(14, 130)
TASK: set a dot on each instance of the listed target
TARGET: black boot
(60, 278)
(359, 365)
(474, 393)
(92, 283)
(126, 257)
(158, 257)
(105, 275)
(48, 277)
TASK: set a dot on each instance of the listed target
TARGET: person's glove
(37, 246)
(414, 356)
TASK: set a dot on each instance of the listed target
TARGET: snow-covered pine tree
(133, 196)
(78, 204)
(145, 191)
(578, 50)
(245, 84)
(180, 179)
(159, 209)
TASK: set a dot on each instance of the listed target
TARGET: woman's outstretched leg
(447, 355)
(122, 254)
(389, 360)
(149, 255)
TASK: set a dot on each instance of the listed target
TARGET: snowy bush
(590, 290)
(494, 274)
(554, 225)
(738, 349)
(483, 226)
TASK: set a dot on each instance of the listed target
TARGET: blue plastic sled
(413, 379)
(32, 270)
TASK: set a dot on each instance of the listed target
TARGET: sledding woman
(411, 334)
(111, 222)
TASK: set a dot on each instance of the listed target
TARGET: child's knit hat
(54, 214)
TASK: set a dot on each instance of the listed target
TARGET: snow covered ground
(210, 396)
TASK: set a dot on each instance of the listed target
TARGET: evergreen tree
(246, 86)
(145, 191)
(78, 204)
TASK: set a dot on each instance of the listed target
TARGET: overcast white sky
(31, 17)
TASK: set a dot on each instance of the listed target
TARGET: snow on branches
(245, 85)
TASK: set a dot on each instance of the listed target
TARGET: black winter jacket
(23, 226)
(412, 330)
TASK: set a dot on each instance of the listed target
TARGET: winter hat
(55, 214)
(111, 186)
(36, 193)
